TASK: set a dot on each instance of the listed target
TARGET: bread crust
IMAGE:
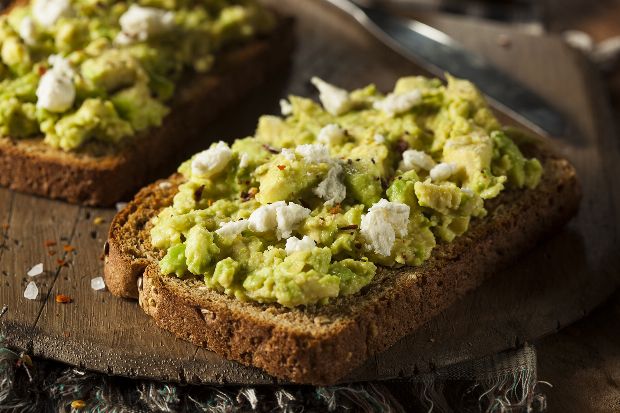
(93, 177)
(320, 344)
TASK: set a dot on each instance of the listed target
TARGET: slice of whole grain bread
(321, 344)
(100, 174)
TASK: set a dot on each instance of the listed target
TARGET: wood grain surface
(558, 283)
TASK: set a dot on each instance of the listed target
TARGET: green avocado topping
(307, 208)
(76, 71)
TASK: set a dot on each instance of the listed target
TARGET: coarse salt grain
(32, 291)
(36, 270)
(97, 283)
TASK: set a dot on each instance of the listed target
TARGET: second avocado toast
(98, 97)
(339, 229)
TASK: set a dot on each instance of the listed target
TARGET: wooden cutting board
(556, 284)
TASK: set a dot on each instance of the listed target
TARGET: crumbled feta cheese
(288, 154)
(294, 244)
(165, 185)
(414, 159)
(244, 160)
(382, 223)
(97, 283)
(336, 101)
(212, 161)
(278, 216)
(378, 138)
(289, 217)
(120, 206)
(579, 40)
(56, 91)
(331, 189)
(263, 218)
(285, 107)
(36, 270)
(395, 104)
(47, 12)
(331, 135)
(32, 291)
(314, 153)
(28, 31)
(232, 229)
(139, 23)
(442, 171)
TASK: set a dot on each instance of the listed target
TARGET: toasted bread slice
(321, 344)
(99, 174)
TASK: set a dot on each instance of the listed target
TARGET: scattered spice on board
(49, 243)
(98, 220)
(68, 248)
(63, 299)
(61, 262)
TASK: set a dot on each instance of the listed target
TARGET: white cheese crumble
(47, 12)
(288, 154)
(294, 244)
(395, 104)
(32, 291)
(442, 171)
(97, 283)
(414, 159)
(382, 223)
(336, 101)
(331, 189)
(331, 135)
(285, 107)
(211, 161)
(244, 160)
(314, 153)
(263, 218)
(288, 217)
(28, 31)
(232, 229)
(56, 91)
(378, 138)
(278, 216)
(139, 23)
(36, 270)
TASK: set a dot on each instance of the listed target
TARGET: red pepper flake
(42, 70)
(63, 299)
(5, 226)
(49, 243)
(66, 334)
(51, 252)
(68, 248)
(281, 167)
(336, 209)
(61, 263)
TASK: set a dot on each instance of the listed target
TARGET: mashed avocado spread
(81, 70)
(306, 209)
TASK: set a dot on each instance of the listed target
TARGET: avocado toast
(96, 100)
(335, 231)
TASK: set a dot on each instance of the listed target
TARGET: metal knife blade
(439, 53)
